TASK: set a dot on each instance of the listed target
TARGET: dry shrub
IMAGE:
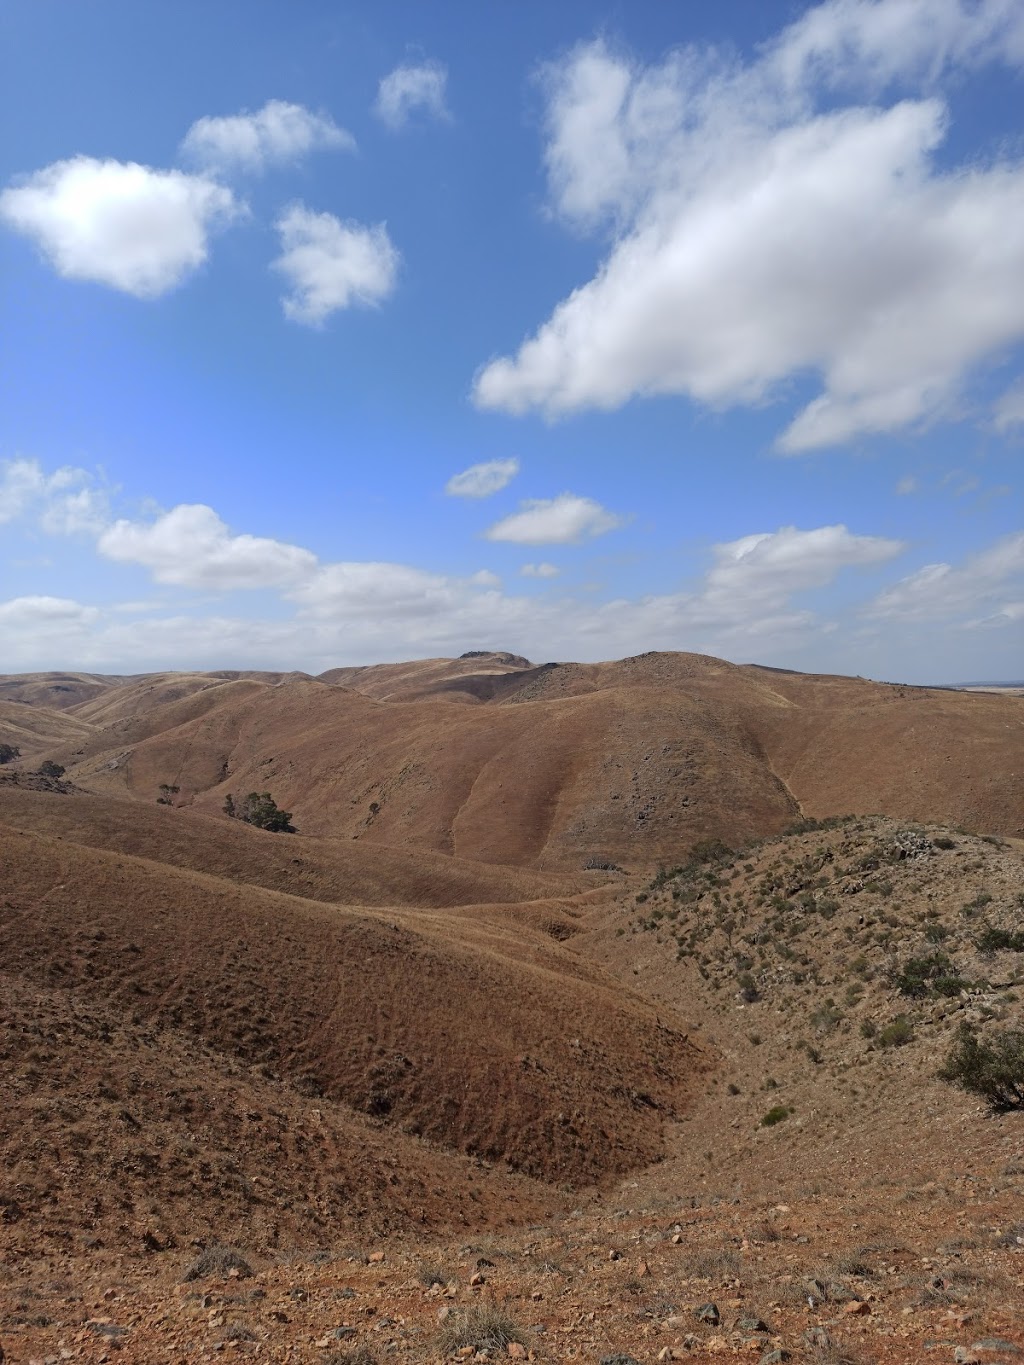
(218, 1260)
(485, 1327)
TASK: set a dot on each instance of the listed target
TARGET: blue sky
(717, 310)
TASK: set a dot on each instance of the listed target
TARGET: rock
(817, 1336)
(708, 1312)
(776, 1357)
(477, 1279)
(996, 1344)
(517, 1350)
(619, 1359)
(614, 1255)
(752, 1325)
(375, 1257)
(966, 1355)
(857, 1308)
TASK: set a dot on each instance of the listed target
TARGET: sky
(340, 333)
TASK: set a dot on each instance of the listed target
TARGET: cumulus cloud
(410, 89)
(55, 612)
(192, 547)
(278, 134)
(565, 520)
(988, 582)
(481, 480)
(539, 571)
(331, 265)
(759, 232)
(118, 223)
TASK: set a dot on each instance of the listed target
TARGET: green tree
(994, 1070)
(260, 809)
(50, 769)
(9, 752)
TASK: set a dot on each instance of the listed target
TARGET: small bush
(50, 769)
(483, 1326)
(710, 851)
(944, 842)
(898, 1033)
(775, 1115)
(218, 1260)
(994, 1070)
(8, 753)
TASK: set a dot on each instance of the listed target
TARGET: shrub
(898, 1033)
(922, 975)
(710, 851)
(483, 1326)
(218, 1260)
(943, 842)
(994, 1070)
(9, 752)
(50, 769)
(775, 1115)
(993, 940)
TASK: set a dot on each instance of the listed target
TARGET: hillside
(556, 766)
(590, 995)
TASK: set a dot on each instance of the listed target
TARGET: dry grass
(485, 1327)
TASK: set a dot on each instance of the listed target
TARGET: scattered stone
(516, 1350)
(619, 1359)
(708, 1312)
(857, 1308)
(375, 1257)
(752, 1325)
(776, 1357)
(966, 1355)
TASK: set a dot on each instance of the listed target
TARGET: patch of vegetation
(218, 1260)
(993, 940)
(943, 841)
(167, 791)
(898, 1033)
(8, 753)
(50, 769)
(484, 1327)
(923, 976)
(776, 1114)
(260, 809)
(993, 1069)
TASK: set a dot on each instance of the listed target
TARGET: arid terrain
(591, 1012)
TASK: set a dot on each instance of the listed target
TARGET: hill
(556, 766)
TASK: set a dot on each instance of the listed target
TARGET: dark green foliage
(9, 752)
(922, 976)
(992, 940)
(166, 792)
(50, 769)
(994, 1070)
(775, 1115)
(260, 809)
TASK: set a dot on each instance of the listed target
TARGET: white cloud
(410, 88)
(278, 134)
(380, 590)
(43, 618)
(192, 547)
(539, 571)
(1009, 409)
(128, 226)
(481, 480)
(987, 582)
(331, 265)
(764, 570)
(564, 520)
(65, 502)
(908, 484)
(758, 232)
